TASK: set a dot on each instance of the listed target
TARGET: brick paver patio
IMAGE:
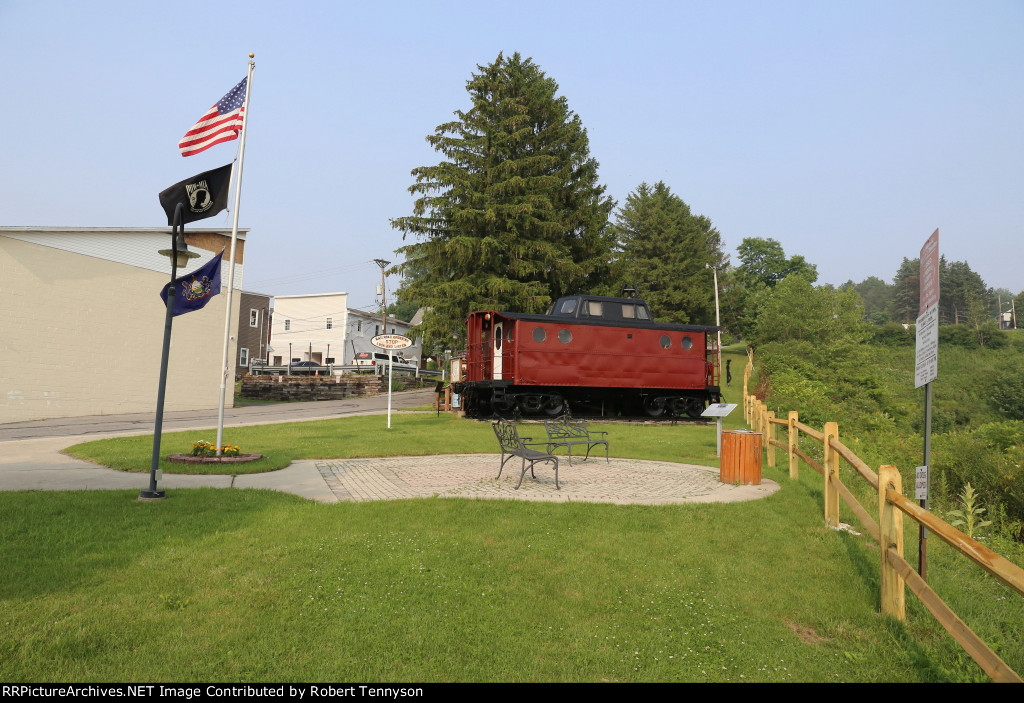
(620, 481)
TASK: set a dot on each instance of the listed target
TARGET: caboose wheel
(554, 406)
(654, 407)
(503, 406)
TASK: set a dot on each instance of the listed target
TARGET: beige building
(82, 322)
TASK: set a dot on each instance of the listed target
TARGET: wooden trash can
(741, 458)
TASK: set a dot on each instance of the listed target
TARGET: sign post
(719, 411)
(926, 368)
(390, 342)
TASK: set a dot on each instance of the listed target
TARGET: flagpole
(231, 274)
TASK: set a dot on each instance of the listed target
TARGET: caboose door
(496, 366)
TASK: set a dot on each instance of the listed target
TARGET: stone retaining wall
(282, 388)
(311, 388)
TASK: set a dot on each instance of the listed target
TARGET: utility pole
(718, 322)
(383, 296)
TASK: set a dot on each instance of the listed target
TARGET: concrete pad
(302, 478)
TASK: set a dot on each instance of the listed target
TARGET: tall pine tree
(513, 217)
(665, 251)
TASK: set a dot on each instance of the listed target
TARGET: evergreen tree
(907, 291)
(665, 251)
(513, 217)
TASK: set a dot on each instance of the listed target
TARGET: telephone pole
(383, 296)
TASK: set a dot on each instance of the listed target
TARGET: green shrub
(893, 334)
(1007, 390)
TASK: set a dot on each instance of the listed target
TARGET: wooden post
(794, 444)
(831, 466)
(769, 436)
(890, 528)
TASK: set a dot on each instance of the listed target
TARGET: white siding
(308, 315)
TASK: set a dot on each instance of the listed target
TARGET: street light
(179, 256)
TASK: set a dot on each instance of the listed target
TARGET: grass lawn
(227, 585)
(257, 586)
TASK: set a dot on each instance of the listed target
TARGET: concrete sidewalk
(32, 462)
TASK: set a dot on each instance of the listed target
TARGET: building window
(287, 325)
(254, 318)
(330, 323)
(330, 360)
(376, 330)
(359, 326)
(243, 357)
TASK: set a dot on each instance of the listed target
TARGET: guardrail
(896, 573)
(335, 369)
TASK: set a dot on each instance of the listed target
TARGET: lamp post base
(147, 494)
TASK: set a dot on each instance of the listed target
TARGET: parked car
(380, 361)
(307, 367)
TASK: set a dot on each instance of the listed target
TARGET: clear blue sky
(848, 131)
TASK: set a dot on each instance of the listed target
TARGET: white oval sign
(391, 341)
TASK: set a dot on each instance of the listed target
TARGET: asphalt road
(143, 423)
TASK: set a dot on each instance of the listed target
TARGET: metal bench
(514, 445)
(568, 433)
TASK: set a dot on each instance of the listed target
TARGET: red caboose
(597, 355)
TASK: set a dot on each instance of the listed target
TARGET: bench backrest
(565, 428)
(508, 436)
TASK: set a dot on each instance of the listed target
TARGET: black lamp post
(179, 255)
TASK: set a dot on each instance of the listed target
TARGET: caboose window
(665, 341)
(641, 312)
(565, 336)
(595, 308)
(539, 335)
(628, 311)
(687, 343)
(568, 307)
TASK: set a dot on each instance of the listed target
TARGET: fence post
(794, 443)
(890, 528)
(769, 436)
(831, 467)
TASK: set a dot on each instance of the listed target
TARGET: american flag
(221, 123)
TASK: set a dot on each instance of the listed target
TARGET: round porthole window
(539, 335)
(665, 341)
(565, 336)
(687, 343)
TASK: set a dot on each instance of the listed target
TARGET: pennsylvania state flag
(194, 290)
(203, 195)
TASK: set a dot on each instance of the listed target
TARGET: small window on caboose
(641, 313)
(595, 308)
(628, 311)
(568, 307)
(687, 343)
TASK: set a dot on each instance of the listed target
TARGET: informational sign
(391, 341)
(719, 410)
(926, 357)
(921, 483)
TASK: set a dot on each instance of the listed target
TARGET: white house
(308, 328)
(82, 322)
(364, 326)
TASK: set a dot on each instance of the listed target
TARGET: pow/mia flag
(203, 195)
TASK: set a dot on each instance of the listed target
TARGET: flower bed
(190, 459)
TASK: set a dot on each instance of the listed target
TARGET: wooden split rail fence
(896, 573)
